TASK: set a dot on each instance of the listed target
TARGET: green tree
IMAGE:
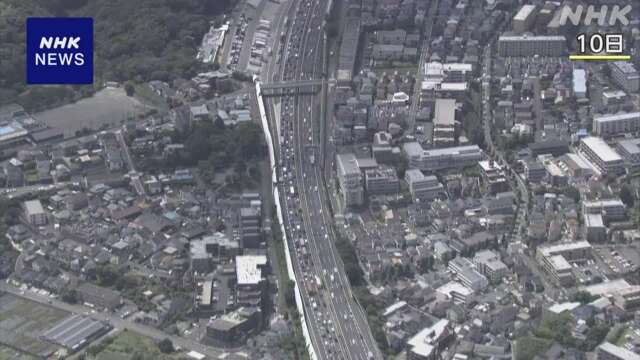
(166, 346)
(289, 293)
(425, 264)
(583, 297)
(627, 196)
(129, 88)
(70, 296)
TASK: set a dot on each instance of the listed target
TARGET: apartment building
(626, 76)
(615, 124)
(601, 155)
(555, 259)
(527, 46)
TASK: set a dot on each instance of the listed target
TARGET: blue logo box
(59, 50)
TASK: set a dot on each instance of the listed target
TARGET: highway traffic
(337, 325)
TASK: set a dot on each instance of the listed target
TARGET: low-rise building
(427, 343)
(381, 181)
(554, 259)
(440, 159)
(609, 351)
(488, 263)
(234, 328)
(610, 209)
(534, 171)
(99, 296)
(423, 188)
(626, 75)
(251, 281)
(493, 176)
(629, 149)
(444, 125)
(467, 275)
(34, 213)
(524, 18)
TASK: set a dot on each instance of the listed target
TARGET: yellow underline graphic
(600, 57)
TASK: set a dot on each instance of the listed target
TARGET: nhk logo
(59, 51)
(616, 15)
(53, 58)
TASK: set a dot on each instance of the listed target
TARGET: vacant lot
(128, 345)
(108, 107)
(7, 353)
(22, 322)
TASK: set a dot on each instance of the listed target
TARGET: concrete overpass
(293, 87)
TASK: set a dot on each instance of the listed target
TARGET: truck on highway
(292, 190)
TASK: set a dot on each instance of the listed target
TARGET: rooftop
(531, 38)
(630, 146)
(626, 67)
(560, 248)
(445, 112)
(524, 12)
(33, 207)
(619, 352)
(617, 117)
(249, 268)
(348, 164)
(424, 342)
(601, 148)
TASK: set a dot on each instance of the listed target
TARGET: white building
(524, 18)
(425, 345)
(438, 159)
(444, 122)
(34, 213)
(608, 351)
(601, 156)
(350, 179)
(580, 83)
(489, 264)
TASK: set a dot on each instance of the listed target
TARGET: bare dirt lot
(107, 108)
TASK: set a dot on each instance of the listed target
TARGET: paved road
(338, 326)
(135, 177)
(424, 53)
(115, 321)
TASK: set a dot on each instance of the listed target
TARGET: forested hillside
(135, 40)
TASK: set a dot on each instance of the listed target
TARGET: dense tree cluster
(134, 40)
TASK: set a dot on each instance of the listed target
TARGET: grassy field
(22, 322)
(128, 345)
(6, 353)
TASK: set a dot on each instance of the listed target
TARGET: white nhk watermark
(616, 15)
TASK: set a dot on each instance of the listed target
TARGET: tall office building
(350, 179)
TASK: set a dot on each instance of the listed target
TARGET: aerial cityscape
(320, 179)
